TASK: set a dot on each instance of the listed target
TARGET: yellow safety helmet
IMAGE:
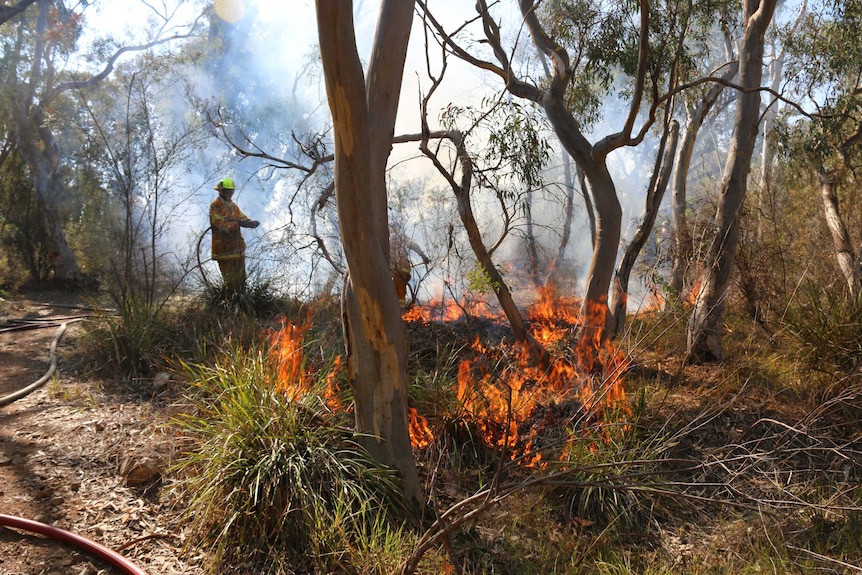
(226, 184)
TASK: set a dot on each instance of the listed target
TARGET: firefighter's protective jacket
(227, 238)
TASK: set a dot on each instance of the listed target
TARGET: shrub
(132, 341)
(256, 298)
(828, 327)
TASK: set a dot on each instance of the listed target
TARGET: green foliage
(479, 282)
(513, 148)
(134, 341)
(23, 236)
(827, 324)
(255, 298)
(515, 141)
(274, 479)
(433, 385)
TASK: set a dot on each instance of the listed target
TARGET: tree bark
(655, 193)
(608, 221)
(363, 123)
(682, 248)
(705, 325)
(840, 236)
(592, 159)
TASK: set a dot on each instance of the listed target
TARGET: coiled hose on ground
(88, 546)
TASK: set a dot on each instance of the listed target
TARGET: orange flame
(549, 306)
(441, 311)
(653, 302)
(295, 380)
(421, 435)
(691, 297)
(510, 410)
(287, 350)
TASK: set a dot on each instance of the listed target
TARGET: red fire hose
(88, 546)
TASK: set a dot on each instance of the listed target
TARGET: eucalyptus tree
(704, 331)
(656, 188)
(698, 102)
(516, 155)
(39, 76)
(364, 107)
(554, 97)
(595, 51)
(823, 65)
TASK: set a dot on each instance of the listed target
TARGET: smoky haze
(258, 76)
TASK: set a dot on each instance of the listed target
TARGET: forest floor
(88, 456)
(81, 456)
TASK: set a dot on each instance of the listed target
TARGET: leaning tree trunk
(608, 220)
(363, 124)
(504, 296)
(705, 325)
(682, 248)
(840, 237)
(655, 193)
(461, 189)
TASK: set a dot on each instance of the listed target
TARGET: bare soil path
(82, 455)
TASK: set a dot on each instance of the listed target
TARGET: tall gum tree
(553, 95)
(682, 241)
(34, 95)
(705, 324)
(823, 61)
(363, 118)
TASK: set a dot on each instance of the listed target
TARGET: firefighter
(228, 246)
(399, 259)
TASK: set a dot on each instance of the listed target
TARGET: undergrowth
(751, 466)
(274, 482)
(827, 325)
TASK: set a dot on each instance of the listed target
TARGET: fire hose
(87, 545)
(5, 400)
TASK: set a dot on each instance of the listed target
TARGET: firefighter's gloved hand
(249, 223)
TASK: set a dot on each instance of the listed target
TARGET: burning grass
(514, 456)
(513, 405)
(510, 404)
(479, 406)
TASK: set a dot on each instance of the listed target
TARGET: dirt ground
(79, 456)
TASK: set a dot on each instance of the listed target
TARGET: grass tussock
(827, 326)
(272, 481)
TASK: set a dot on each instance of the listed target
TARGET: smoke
(256, 72)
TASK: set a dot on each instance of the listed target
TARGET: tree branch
(109, 65)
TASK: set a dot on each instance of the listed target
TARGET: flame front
(513, 405)
(295, 378)
(513, 408)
